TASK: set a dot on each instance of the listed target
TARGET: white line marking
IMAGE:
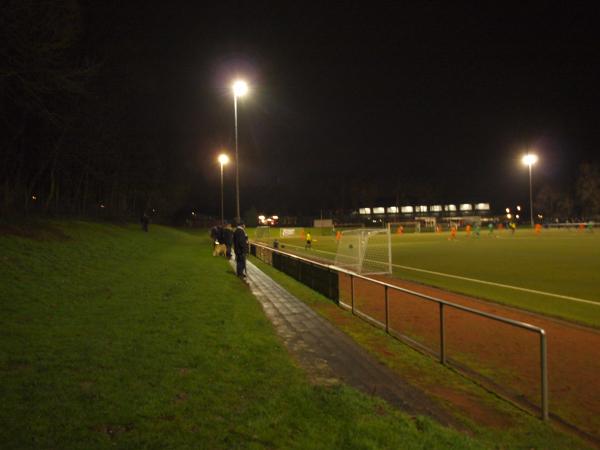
(474, 280)
(507, 286)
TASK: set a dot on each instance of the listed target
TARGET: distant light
(529, 159)
(261, 217)
(517, 216)
(193, 213)
(392, 209)
(509, 216)
(507, 210)
(540, 216)
(101, 205)
(223, 159)
(240, 88)
(33, 197)
(518, 208)
(275, 217)
(379, 210)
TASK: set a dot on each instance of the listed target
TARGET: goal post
(366, 251)
(262, 233)
(291, 232)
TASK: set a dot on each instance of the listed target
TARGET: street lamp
(240, 88)
(529, 160)
(223, 159)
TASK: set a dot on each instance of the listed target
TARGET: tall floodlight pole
(529, 160)
(223, 159)
(240, 88)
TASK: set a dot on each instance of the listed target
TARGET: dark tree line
(581, 200)
(69, 142)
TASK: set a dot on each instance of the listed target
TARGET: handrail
(442, 303)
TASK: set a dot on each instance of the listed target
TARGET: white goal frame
(357, 251)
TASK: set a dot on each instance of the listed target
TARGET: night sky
(359, 102)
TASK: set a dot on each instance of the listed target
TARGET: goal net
(405, 227)
(367, 251)
(291, 232)
(262, 233)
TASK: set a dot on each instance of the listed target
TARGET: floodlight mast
(529, 160)
(240, 88)
(223, 159)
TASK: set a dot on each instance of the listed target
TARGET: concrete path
(330, 356)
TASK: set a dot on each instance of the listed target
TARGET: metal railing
(322, 277)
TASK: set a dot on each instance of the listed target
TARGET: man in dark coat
(240, 247)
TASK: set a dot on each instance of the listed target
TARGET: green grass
(494, 422)
(557, 262)
(110, 337)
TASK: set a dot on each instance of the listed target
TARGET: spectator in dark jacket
(240, 247)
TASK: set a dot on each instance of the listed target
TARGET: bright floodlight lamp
(240, 88)
(529, 160)
(223, 159)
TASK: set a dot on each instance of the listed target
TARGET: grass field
(113, 338)
(554, 273)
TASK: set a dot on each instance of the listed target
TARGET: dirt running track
(505, 355)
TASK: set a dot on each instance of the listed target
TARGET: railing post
(352, 292)
(387, 311)
(544, 373)
(442, 335)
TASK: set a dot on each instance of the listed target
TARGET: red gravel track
(505, 355)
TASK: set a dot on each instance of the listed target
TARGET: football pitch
(555, 273)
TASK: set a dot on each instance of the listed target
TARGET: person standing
(240, 247)
(145, 220)
(308, 245)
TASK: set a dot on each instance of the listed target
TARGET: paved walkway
(330, 356)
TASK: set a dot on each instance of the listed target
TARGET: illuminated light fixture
(507, 210)
(240, 88)
(517, 216)
(509, 216)
(518, 208)
(223, 159)
(261, 217)
(529, 159)
(33, 197)
(275, 217)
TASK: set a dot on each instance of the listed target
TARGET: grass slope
(110, 337)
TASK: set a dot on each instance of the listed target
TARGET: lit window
(392, 209)
(407, 209)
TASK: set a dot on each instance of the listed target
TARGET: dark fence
(317, 276)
